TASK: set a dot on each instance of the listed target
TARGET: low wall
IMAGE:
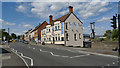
(104, 44)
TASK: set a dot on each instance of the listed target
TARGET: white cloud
(23, 8)
(84, 10)
(98, 30)
(92, 9)
(1, 20)
(5, 23)
(103, 19)
(104, 9)
(24, 25)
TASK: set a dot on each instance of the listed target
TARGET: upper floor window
(75, 37)
(49, 39)
(58, 26)
(59, 37)
(55, 27)
(66, 25)
(79, 36)
(49, 29)
(67, 38)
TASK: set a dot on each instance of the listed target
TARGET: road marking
(80, 56)
(113, 63)
(112, 56)
(108, 64)
(28, 58)
(29, 46)
(62, 55)
(21, 58)
(34, 48)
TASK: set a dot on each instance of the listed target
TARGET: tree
(108, 34)
(13, 36)
(115, 34)
(4, 34)
(18, 37)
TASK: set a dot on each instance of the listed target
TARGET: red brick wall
(39, 29)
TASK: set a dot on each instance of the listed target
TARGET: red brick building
(37, 31)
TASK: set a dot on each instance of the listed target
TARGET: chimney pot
(50, 19)
(70, 9)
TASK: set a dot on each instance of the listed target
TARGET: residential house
(66, 30)
(27, 35)
(37, 31)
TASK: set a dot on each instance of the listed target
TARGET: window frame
(75, 37)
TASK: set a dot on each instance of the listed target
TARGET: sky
(22, 16)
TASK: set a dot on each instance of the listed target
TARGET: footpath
(10, 59)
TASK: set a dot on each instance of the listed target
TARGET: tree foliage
(113, 35)
(13, 36)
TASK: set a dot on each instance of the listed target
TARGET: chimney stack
(70, 9)
(50, 19)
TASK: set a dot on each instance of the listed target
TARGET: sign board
(62, 28)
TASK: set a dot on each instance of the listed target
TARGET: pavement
(10, 59)
(62, 56)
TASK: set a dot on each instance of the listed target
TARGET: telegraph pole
(119, 32)
(93, 28)
(8, 36)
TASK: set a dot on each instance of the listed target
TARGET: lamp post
(93, 28)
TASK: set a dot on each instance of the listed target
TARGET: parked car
(87, 44)
(43, 43)
(26, 42)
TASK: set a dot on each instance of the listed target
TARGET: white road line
(24, 57)
(113, 63)
(108, 64)
(28, 58)
(79, 56)
(34, 48)
(62, 55)
(21, 58)
(112, 56)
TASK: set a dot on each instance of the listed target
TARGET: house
(21, 37)
(66, 30)
(37, 31)
(27, 35)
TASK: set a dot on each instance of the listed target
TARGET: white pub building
(66, 30)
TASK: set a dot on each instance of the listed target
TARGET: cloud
(98, 30)
(83, 10)
(103, 19)
(25, 25)
(1, 20)
(5, 23)
(23, 8)
(104, 9)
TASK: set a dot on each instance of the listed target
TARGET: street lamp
(93, 28)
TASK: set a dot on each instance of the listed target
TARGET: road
(46, 56)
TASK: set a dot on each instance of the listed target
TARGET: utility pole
(119, 32)
(93, 28)
(8, 36)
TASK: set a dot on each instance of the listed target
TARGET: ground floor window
(62, 38)
(49, 39)
(56, 38)
(75, 37)
(59, 37)
(67, 38)
(79, 36)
